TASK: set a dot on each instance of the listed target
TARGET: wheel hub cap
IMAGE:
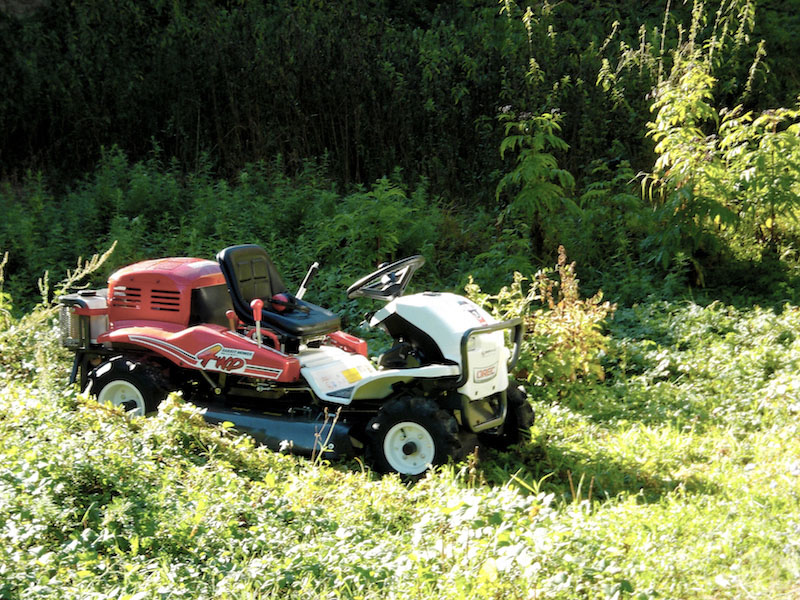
(123, 393)
(409, 448)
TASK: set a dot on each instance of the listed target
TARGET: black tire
(518, 423)
(408, 435)
(123, 382)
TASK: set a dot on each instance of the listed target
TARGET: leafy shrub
(381, 225)
(720, 175)
(686, 168)
(538, 185)
(761, 155)
(564, 338)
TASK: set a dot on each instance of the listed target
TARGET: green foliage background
(183, 127)
(374, 84)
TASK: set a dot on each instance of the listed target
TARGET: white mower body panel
(340, 377)
(333, 373)
(447, 319)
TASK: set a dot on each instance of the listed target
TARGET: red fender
(208, 347)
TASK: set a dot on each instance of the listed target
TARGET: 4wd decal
(215, 357)
(230, 360)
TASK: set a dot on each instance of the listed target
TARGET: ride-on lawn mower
(232, 339)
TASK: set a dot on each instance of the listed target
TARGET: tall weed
(564, 333)
(720, 176)
(29, 344)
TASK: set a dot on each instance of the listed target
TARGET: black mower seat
(250, 274)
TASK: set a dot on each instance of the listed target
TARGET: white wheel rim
(409, 448)
(123, 393)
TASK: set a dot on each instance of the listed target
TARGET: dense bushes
(378, 109)
(398, 109)
(374, 84)
(721, 175)
(151, 210)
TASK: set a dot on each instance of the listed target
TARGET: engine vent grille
(169, 300)
(127, 297)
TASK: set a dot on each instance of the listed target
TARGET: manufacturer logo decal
(472, 310)
(484, 374)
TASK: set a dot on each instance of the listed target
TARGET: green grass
(677, 477)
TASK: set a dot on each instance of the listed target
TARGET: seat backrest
(250, 274)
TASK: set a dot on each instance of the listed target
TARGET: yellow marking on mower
(352, 375)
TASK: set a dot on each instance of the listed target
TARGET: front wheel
(126, 383)
(519, 420)
(410, 434)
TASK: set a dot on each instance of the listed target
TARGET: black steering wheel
(388, 282)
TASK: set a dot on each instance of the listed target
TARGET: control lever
(231, 316)
(303, 286)
(257, 305)
(367, 318)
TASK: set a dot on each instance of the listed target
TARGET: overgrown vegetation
(151, 210)
(405, 117)
(677, 476)
(375, 84)
(657, 145)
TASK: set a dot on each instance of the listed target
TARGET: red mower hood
(160, 289)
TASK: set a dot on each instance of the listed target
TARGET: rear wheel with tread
(410, 434)
(127, 383)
